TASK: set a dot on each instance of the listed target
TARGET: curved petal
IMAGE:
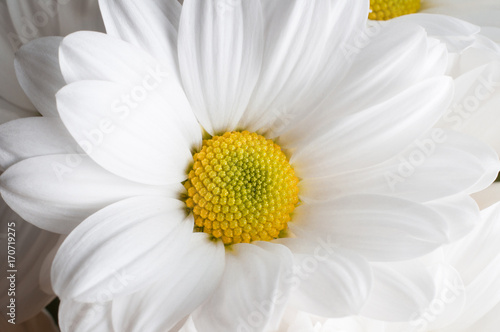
(369, 137)
(306, 55)
(66, 189)
(121, 249)
(438, 164)
(32, 246)
(85, 317)
(253, 292)
(400, 291)
(375, 75)
(149, 143)
(181, 289)
(379, 228)
(38, 72)
(220, 55)
(460, 212)
(327, 280)
(480, 12)
(10, 42)
(457, 34)
(31, 137)
(150, 25)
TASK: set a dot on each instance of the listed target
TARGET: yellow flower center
(241, 188)
(382, 10)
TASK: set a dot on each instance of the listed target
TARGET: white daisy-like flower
(294, 136)
(467, 297)
(34, 248)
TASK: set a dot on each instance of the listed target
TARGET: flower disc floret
(382, 10)
(241, 188)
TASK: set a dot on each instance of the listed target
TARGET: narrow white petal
(182, 288)
(66, 189)
(379, 228)
(306, 55)
(31, 137)
(150, 25)
(10, 42)
(439, 164)
(372, 136)
(327, 281)
(400, 291)
(375, 75)
(85, 317)
(220, 55)
(38, 72)
(253, 292)
(150, 143)
(457, 34)
(121, 249)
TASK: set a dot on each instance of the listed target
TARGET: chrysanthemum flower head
(224, 158)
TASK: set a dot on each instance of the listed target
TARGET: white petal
(477, 259)
(220, 55)
(66, 189)
(150, 25)
(371, 136)
(88, 55)
(379, 228)
(41, 322)
(457, 34)
(37, 68)
(400, 291)
(31, 137)
(121, 249)
(477, 12)
(253, 292)
(181, 289)
(460, 212)
(10, 42)
(375, 74)
(85, 317)
(438, 164)
(305, 57)
(449, 300)
(32, 245)
(475, 106)
(150, 143)
(327, 281)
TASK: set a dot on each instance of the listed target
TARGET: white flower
(378, 181)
